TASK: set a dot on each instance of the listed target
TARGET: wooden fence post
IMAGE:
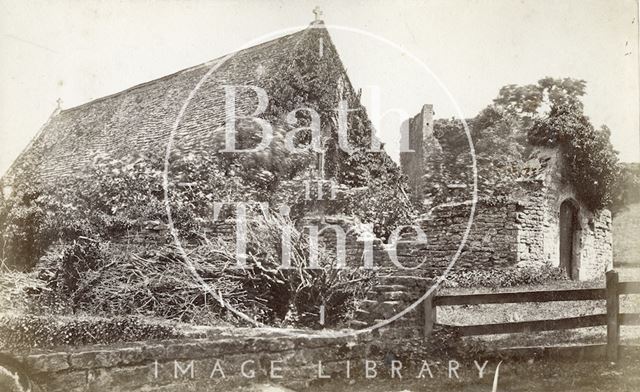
(429, 314)
(613, 310)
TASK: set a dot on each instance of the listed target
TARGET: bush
(385, 206)
(494, 278)
(293, 296)
(29, 331)
(115, 197)
(15, 291)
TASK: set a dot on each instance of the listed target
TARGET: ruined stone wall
(532, 224)
(491, 244)
(596, 255)
(190, 364)
(593, 253)
(491, 239)
(522, 230)
(422, 162)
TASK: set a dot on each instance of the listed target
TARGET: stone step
(402, 322)
(394, 296)
(374, 304)
(357, 324)
(409, 282)
(363, 315)
(383, 309)
(399, 332)
(389, 287)
(367, 303)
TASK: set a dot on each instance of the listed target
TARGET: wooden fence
(612, 318)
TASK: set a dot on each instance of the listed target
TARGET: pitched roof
(139, 119)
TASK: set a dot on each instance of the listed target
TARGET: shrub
(385, 206)
(293, 296)
(29, 331)
(15, 290)
(505, 277)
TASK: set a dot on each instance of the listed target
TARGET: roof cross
(318, 13)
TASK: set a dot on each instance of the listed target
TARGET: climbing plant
(591, 162)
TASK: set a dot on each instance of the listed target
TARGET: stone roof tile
(139, 119)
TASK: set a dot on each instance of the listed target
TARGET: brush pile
(200, 283)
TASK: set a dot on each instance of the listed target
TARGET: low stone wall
(201, 364)
(491, 239)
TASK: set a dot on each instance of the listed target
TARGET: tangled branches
(111, 279)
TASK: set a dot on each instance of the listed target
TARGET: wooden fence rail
(521, 296)
(612, 319)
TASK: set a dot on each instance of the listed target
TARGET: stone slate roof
(139, 120)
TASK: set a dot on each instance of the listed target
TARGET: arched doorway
(568, 228)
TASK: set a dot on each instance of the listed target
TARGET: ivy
(119, 193)
(591, 162)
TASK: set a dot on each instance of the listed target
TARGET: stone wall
(519, 228)
(207, 364)
(596, 255)
(422, 159)
(532, 224)
(539, 224)
(490, 242)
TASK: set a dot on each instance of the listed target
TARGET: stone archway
(569, 227)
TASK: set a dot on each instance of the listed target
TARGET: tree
(527, 100)
(504, 131)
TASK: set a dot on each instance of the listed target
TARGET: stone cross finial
(318, 13)
(59, 102)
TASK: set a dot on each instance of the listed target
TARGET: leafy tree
(528, 100)
(565, 91)
(503, 132)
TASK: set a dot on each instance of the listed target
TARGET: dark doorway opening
(568, 228)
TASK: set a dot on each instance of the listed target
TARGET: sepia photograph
(297, 195)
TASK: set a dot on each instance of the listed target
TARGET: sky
(453, 54)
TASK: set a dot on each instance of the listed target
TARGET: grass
(501, 313)
(515, 376)
(25, 332)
